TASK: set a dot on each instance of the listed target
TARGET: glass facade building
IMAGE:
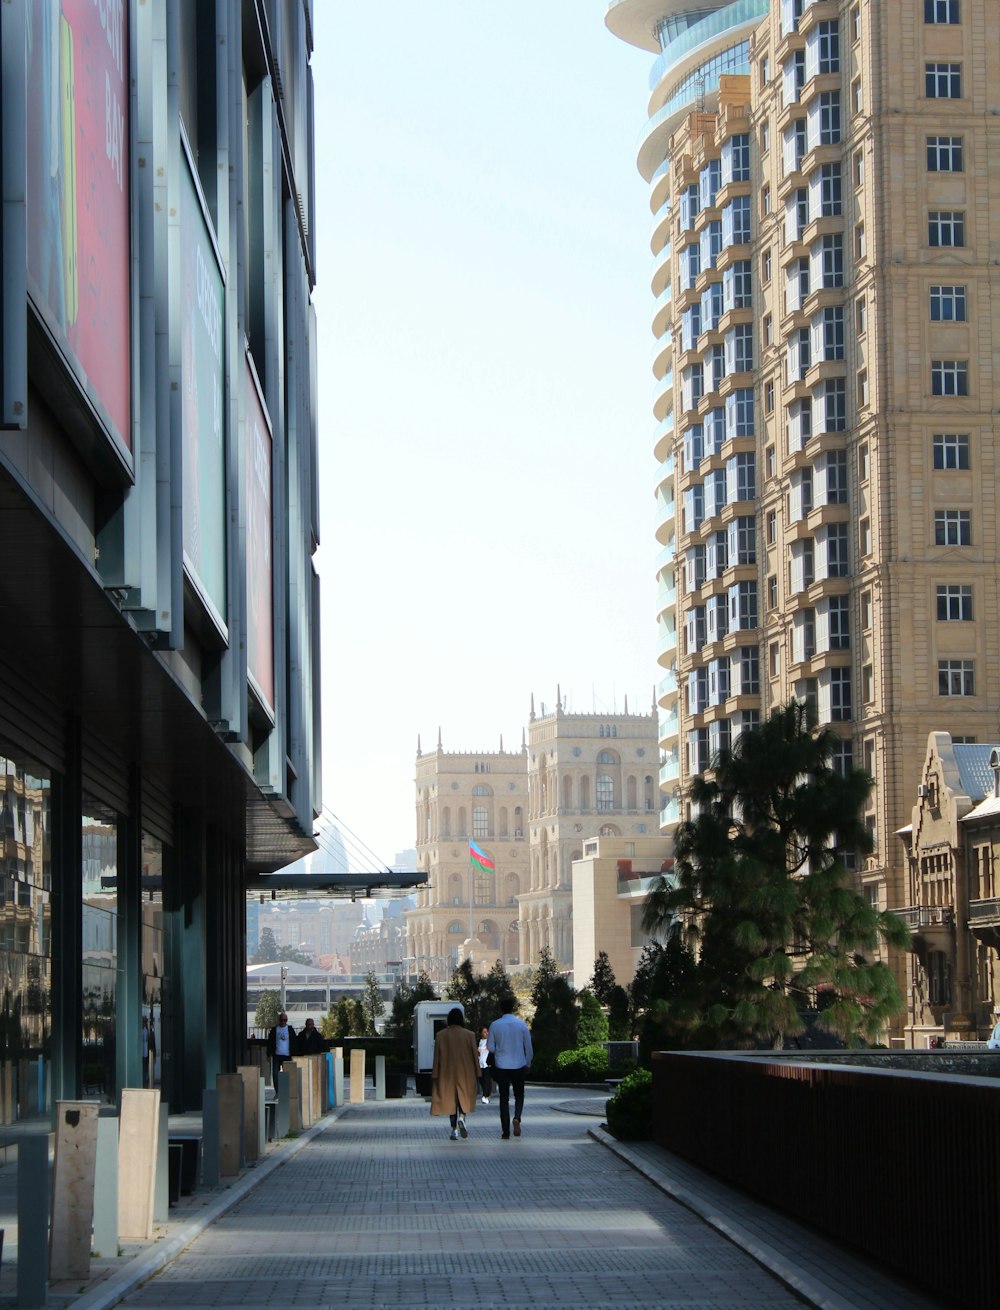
(159, 690)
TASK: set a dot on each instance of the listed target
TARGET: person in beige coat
(455, 1076)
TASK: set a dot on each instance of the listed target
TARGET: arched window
(608, 830)
(480, 821)
(462, 829)
(480, 790)
(567, 792)
(455, 926)
(605, 792)
(584, 793)
(607, 757)
(512, 888)
(647, 786)
(631, 793)
(503, 821)
(446, 821)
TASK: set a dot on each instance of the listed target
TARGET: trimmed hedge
(630, 1110)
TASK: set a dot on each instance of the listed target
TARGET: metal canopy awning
(386, 882)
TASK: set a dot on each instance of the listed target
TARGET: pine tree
(268, 1006)
(763, 891)
(602, 980)
(268, 951)
(372, 1002)
(404, 1002)
(554, 1025)
(345, 1017)
(359, 1020)
(592, 1026)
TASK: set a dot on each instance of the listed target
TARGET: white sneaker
(454, 1135)
(486, 1100)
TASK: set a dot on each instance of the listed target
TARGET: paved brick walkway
(381, 1209)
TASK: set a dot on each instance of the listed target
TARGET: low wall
(902, 1164)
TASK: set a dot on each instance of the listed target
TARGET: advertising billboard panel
(260, 568)
(78, 194)
(202, 387)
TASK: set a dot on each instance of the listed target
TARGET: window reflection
(99, 947)
(152, 959)
(25, 945)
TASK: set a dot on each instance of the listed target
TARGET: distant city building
(576, 776)
(380, 946)
(610, 882)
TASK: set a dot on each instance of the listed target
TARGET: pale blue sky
(485, 383)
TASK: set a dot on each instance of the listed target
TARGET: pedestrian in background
(280, 1041)
(311, 1040)
(510, 1041)
(455, 1074)
(485, 1065)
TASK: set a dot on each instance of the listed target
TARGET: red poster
(78, 192)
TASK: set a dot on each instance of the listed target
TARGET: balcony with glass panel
(663, 394)
(670, 770)
(663, 437)
(663, 267)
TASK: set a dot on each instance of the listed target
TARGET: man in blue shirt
(509, 1040)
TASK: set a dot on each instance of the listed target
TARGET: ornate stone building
(576, 776)
(953, 908)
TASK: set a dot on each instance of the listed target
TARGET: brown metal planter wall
(905, 1166)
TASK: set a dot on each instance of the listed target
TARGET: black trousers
(506, 1079)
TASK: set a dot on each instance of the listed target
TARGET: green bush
(585, 1064)
(630, 1110)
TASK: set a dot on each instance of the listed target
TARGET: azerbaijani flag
(480, 859)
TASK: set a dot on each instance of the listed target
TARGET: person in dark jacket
(311, 1040)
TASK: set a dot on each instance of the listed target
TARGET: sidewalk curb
(118, 1285)
(771, 1259)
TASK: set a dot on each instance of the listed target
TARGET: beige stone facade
(577, 776)
(952, 850)
(482, 795)
(610, 883)
(826, 235)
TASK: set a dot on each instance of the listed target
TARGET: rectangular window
(956, 678)
(736, 159)
(829, 47)
(954, 603)
(867, 611)
(840, 622)
(948, 304)
(859, 168)
(952, 527)
(833, 332)
(736, 221)
(864, 463)
(832, 257)
(737, 285)
(944, 154)
(840, 695)
(835, 402)
(831, 202)
(946, 227)
(739, 413)
(951, 450)
(835, 476)
(836, 551)
(862, 388)
(829, 118)
(739, 348)
(943, 81)
(941, 11)
(949, 377)
(865, 536)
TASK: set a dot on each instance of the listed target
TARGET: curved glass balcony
(667, 638)
(663, 394)
(667, 685)
(669, 725)
(722, 20)
(670, 813)
(666, 599)
(670, 770)
(663, 437)
(666, 557)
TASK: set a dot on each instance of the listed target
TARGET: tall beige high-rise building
(576, 777)
(824, 179)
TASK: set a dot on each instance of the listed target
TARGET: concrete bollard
(73, 1190)
(105, 1240)
(210, 1137)
(138, 1139)
(380, 1078)
(283, 1109)
(338, 1076)
(357, 1077)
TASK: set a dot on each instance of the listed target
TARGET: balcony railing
(918, 918)
(985, 912)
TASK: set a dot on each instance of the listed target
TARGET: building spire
(439, 736)
(532, 707)
(418, 745)
(501, 743)
(559, 704)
